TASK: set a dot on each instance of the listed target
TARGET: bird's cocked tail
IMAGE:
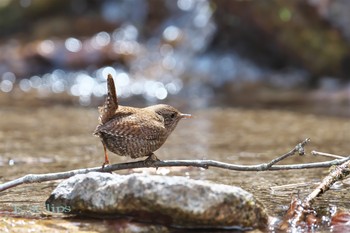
(108, 109)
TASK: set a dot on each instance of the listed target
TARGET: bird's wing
(134, 126)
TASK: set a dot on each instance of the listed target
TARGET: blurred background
(189, 53)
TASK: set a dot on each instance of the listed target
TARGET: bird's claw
(150, 161)
(104, 164)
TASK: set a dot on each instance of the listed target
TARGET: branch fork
(271, 166)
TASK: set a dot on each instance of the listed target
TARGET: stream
(45, 138)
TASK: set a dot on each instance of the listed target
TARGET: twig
(33, 178)
(298, 148)
(338, 173)
(301, 213)
(333, 156)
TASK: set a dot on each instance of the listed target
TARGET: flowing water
(42, 138)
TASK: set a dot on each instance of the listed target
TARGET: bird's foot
(104, 164)
(151, 159)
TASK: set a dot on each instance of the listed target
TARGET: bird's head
(170, 115)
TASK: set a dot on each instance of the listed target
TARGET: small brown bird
(134, 132)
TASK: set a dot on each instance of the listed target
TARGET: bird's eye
(173, 115)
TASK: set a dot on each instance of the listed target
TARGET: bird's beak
(183, 115)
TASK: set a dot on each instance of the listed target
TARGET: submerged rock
(172, 201)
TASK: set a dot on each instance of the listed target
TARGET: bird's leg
(151, 159)
(106, 156)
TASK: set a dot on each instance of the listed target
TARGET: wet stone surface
(172, 201)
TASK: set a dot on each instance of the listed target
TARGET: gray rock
(172, 201)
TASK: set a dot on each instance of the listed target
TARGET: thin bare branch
(33, 178)
(338, 173)
(298, 148)
(301, 213)
(333, 156)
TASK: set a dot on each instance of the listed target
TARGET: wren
(134, 132)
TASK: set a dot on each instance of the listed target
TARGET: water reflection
(7, 81)
(153, 61)
(153, 67)
(73, 45)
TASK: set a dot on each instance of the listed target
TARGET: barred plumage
(134, 132)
